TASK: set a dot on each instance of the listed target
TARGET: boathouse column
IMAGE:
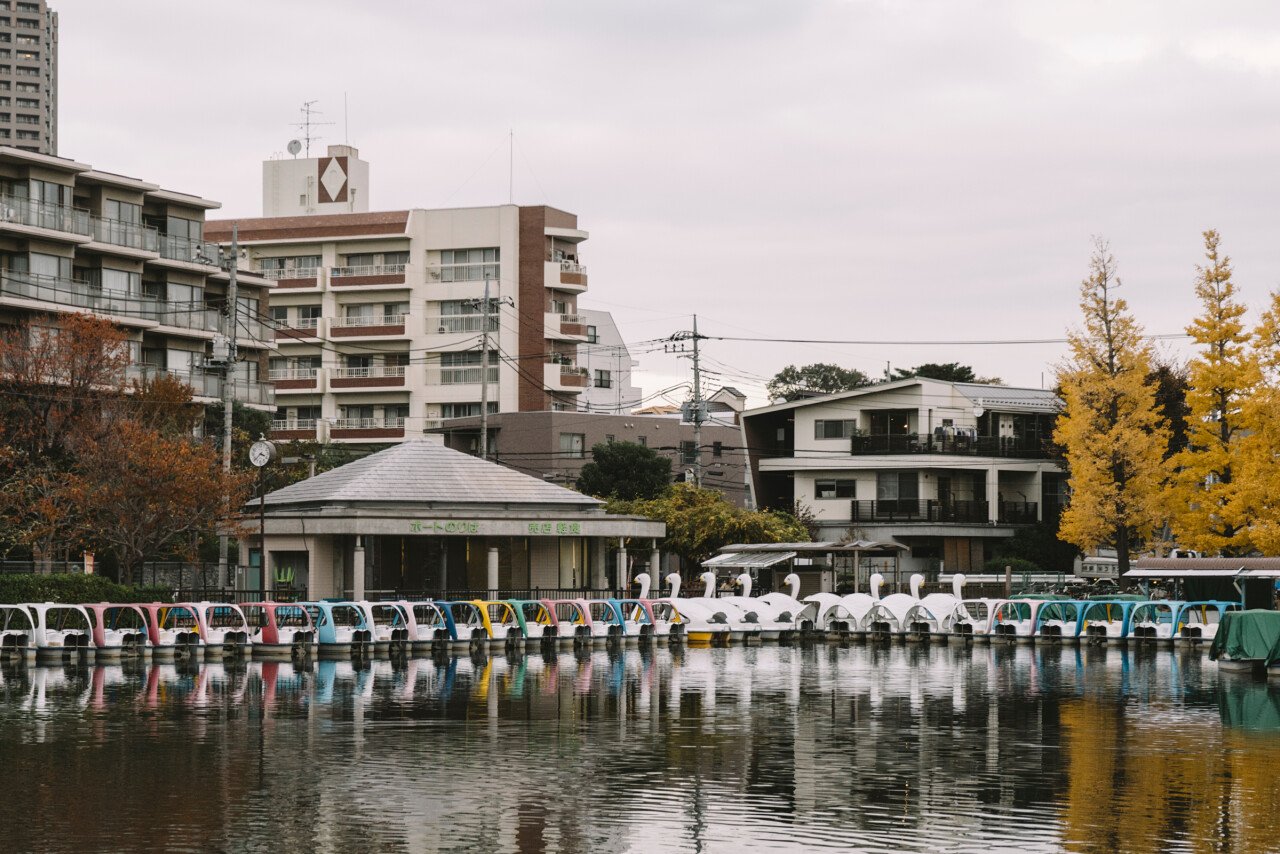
(493, 571)
(622, 563)
(655, 563)
(599, 575)
(1038, 492)
(357, 570)
(993, 495)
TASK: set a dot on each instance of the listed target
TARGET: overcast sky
(836, 169)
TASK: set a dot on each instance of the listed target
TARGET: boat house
(420, 518)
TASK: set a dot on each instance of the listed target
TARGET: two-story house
(946, 469)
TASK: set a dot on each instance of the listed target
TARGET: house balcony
(565, 327)
(565, 378)
(366, 275)
(379, 326)
(301, 329)
(295, 380)
(366, 428)
(131, 239)
(376, 376)
(928, 510)
(191, 254)
(565, 276)
(958, 445)
(298, 429)
(75, 294)
(43, 219)
(300, 279)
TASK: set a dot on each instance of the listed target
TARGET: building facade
(554, 446)
(301, 186)
(946, 469)
(29, 76)
(608, 363)
(74, 239)
(379, 316)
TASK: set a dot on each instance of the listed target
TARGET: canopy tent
(813, 578)
(748, 560)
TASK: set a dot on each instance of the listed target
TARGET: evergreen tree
(1207, 510)
(1112, 436)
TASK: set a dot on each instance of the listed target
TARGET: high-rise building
(76, 239)
(29, 76)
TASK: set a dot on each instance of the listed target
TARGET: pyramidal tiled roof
(420, 472)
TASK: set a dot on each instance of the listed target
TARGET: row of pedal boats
(109, 631)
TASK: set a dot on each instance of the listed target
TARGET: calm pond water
(760, 749)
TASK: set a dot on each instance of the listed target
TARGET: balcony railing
(300, 323)
(367, 321)
(369, 372)
(574, 371)
(392, 423)
(1018, 512)
(189, 317)
(467, 376)
(295, 424)
(276, 374)
(573, 267)
(961, 445)
(201, 383)
(128, 234)
(45, 215)
(919, 510)
(185, 249)
(368, 270)
(291, 273)
(448, 324)
(576, 319)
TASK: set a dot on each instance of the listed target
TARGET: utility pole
(697, 408)
(486, 308)
(228, 388)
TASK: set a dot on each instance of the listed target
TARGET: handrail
(367, 270)
(372, 320)
(54, 217)
(369, 372)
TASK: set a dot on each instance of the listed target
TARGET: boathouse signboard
(476, 527)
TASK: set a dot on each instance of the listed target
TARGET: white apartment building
(75, 239)
(946, 469)
(608, 363)
(379, 315)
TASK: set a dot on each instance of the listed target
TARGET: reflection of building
(421, 517)
(29, 76)
(380, 315)
(556, 445)
(948, 469)
(76, 239)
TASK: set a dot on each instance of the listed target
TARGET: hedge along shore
(74, 590)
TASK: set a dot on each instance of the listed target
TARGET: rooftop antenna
(511, 166)
(309, 114)
(294, 147)
(346, 124)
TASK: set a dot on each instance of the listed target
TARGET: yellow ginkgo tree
(1257, 462)
(1208, 509)
(1112, 433)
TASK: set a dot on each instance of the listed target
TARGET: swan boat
(61, 632)
(931, 616)
(119, 631)
(342, 629)
(279, 629)
(17, 634)
(224, 629)
(174, 631)
(703, 624)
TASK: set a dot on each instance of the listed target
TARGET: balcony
(456, 324)
(565, 276)
(295, 379)
(375, 376)
(293, 278)
(372, 325)
(301, 327)
(367, 428)
(20, 214)
(565, 377)
(920, 510)
(299, 429)
(958, 445)
(1018, 512)
(368, 274)
(126, 235)
(77, 294)
(188, 251)
(467, 376)
(203, 384)
(565, 327)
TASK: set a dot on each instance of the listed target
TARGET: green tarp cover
(1248, 635)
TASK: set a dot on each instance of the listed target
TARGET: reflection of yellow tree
(1140, 786)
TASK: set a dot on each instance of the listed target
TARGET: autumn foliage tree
(1208, 511)
(1258, 455)
(1111, 433)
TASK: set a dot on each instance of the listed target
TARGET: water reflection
(767, 748)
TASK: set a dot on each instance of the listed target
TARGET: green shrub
(74, 590)
(1020, 566)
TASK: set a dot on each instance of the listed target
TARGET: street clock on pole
(262, 452)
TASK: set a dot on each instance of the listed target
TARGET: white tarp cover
(753, 560)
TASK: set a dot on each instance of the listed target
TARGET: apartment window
(898, 487)
(184, 295)
(309, 313)
(120, 211)
(280, 314)
(23, 103)
(890, 422)
(609, 439)
(308, 413)
(688, 452)
(376, 259)
(28, 7)
(469, 265)
(362, 313)
(572, 445)
(559, 307)
(176, 226)
(835, 488)
(717, 449)
(394, 311)
(359, 361)
(295, 262)
(356, 413)
(4, 117)
(248, 306)
(394, 415)
(593, 337)
(642, 441)
(28, 134)
(464, 410)
(47, 191)
(396, 360)
(832, 429)
(604, 379)
(50, 265)
(28, 56)
(24, 71)
(26, 39)
(464, 359)
(28, 120)
(24, 87)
